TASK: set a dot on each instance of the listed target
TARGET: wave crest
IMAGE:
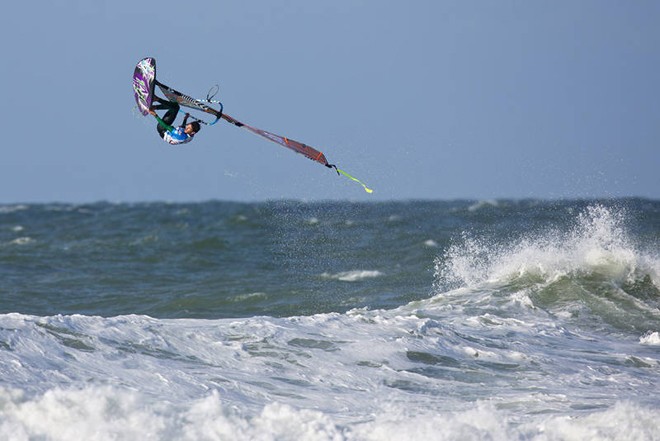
(598, 244)
(593, 263)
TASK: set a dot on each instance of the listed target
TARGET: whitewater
(498, 320)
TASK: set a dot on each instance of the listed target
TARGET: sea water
(416, 320)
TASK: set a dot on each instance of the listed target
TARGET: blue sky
(420, 99)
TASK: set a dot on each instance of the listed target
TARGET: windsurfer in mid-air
(173, 135)
(144, 81)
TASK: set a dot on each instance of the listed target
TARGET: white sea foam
(483, 204)
(22, 241)
(353, 276)
(119, 414)
(6, 209)
(249, 296)
(624, 421)
(650, 339)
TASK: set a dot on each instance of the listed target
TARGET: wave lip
(598, 244)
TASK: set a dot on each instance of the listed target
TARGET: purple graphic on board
(144, 77)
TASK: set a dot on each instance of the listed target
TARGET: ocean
(288, 320)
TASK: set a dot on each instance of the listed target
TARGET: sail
(144, 77)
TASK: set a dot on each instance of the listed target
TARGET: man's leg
(170, 115)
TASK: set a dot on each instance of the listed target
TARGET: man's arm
(160, 121)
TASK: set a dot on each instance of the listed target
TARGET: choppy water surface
(331, 321)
